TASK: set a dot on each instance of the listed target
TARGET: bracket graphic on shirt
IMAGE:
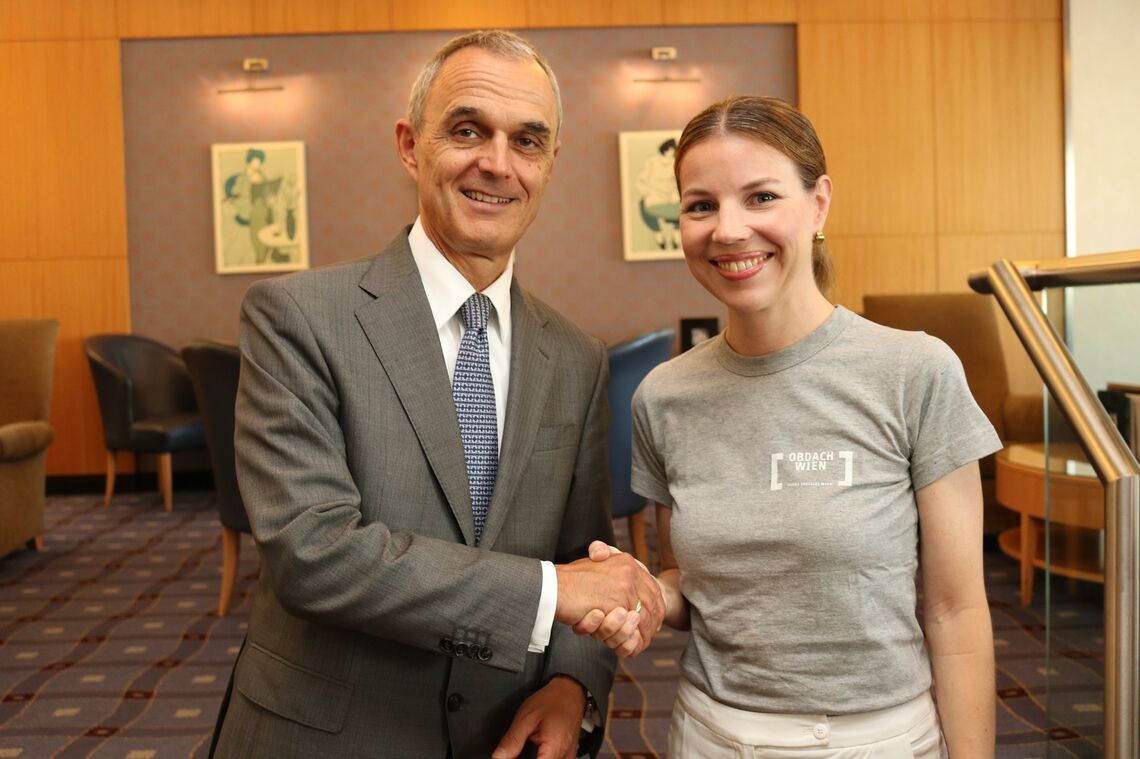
(847, 457)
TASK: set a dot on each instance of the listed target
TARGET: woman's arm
(956, 615)
(676, 607)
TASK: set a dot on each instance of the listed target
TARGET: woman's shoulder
(869, 335)
(681, 372)
(895, 355)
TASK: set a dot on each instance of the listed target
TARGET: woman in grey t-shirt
(797, 459)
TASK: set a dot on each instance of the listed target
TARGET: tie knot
(475, 310)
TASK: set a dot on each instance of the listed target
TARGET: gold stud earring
(818, 237)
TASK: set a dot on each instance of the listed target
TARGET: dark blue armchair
(214, 370)
(630, 361)
(146, 403)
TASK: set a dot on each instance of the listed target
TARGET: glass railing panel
(1067, 531)
(1099, 326)
(1071, 602)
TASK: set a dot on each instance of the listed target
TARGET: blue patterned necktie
(474, 393)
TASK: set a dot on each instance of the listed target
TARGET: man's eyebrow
(540, 128)
(460, 112)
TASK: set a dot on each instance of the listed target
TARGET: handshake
(613, 597)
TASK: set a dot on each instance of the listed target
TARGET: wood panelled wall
(942, 121)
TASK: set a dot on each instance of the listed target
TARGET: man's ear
(406, 147)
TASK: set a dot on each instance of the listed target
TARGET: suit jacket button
(484, 654)
(446, 645)
(461, 649)
(454, 701)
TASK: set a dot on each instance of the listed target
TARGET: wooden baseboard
(136, 482)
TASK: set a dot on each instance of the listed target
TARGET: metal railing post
(1112, 459)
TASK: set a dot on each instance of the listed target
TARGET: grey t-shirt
(791, 478)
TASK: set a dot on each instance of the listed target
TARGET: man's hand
(550, 719)
(618, 629)
(603, 592)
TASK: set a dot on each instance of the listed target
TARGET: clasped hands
(598, 596)
(611, 596)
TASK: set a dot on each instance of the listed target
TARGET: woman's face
(747, 223)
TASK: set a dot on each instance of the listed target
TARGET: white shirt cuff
(547, 603)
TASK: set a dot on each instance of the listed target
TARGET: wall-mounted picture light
(253, 68)
(665, 56)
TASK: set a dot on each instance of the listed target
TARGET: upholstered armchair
(214, 369)
(27, 358)
(968, 323)
(146, 403)
(630, 361)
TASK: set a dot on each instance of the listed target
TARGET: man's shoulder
(374, 273)
(317, 281)
(561, 328)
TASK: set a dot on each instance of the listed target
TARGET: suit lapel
(400, 327)
(532, 364)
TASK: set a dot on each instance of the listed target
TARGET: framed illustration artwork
(260, 207)
(650, 205)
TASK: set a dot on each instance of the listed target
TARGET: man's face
(482, 157)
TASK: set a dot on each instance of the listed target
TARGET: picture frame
(650, 203)
(260, 207)
(697, 330)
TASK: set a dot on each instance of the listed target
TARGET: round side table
(1076, 513)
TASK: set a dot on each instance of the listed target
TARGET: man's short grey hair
(506, 44)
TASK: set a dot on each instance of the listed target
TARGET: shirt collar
(447, 289)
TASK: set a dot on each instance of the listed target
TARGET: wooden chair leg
(110, 478)
(231, 552)
(1028, 554)
(637, 536)
(166, 479)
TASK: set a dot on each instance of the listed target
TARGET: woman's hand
(618, 629)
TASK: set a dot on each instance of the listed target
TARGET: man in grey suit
(398, 613)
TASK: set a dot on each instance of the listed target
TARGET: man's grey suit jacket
(376, 628)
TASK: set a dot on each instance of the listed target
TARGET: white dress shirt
(447, 290)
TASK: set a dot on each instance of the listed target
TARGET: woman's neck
(776, 327)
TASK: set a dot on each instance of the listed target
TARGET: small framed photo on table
(697, 330)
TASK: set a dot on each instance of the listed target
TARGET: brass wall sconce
(665, 57)
(253, 68)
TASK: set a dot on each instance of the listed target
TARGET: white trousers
(706, 729)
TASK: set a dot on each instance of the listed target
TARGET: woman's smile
(738, 267)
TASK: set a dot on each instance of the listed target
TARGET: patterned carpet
(109, 645)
